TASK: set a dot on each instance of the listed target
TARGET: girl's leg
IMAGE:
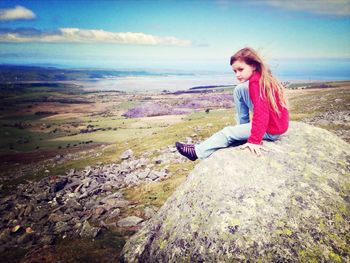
(271, 137)
(231, 134)
(224, 138)
(242, 101)
(228, 136)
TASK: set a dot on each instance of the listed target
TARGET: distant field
(35, 116)
(52, 116)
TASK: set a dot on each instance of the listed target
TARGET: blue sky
(170, 34)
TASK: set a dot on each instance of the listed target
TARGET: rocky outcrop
(80, 203)
(291, 204)
(336, 121)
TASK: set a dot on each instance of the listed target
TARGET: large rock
(290, 205)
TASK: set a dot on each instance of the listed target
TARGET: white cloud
(76, 35)
(16, 13)
(325, 7)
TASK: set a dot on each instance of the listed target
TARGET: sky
(170, 34)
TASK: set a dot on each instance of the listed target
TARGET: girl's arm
(260, 113)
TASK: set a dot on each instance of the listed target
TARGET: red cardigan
(265, 119)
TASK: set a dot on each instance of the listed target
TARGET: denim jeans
(233, 135)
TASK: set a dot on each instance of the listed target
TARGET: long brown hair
(270, 85)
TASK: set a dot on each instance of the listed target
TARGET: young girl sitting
(264, 96)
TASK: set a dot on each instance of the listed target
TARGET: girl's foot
(187, 150)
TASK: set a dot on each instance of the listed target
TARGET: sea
(287, 70)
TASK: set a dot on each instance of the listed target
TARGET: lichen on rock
(291, 204)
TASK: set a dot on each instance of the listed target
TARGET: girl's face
(242, 70)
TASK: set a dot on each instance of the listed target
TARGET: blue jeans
(233, 135)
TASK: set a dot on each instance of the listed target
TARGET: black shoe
(187, 150)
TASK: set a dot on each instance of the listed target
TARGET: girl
(264, 96)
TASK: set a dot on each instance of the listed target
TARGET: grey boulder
(290, 205)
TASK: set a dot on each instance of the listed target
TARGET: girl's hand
(254, 148)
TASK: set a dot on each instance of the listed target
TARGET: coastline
(180, 83)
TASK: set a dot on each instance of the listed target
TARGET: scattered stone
(127, 154)
(58, 157)
(47, 239)
(59, 217)
(89, 231)
(142, 175)
(61, 227)
(58, 183)
(15, 228)
(142, 163)
(29, 230)
(71, 172)
(88, 171)
(129, 221)
(149, 212)
(131, 179)
(153, 175)
(115, 195)
(107, 187)
(98, 211)
(116, 203)
(115, 213)
(74, 204)
(28, 209)
(42, 196)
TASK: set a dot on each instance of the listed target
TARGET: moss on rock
(292, 204)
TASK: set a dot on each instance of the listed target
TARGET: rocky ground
(336, 121)
(79, 204)
(327, 108)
